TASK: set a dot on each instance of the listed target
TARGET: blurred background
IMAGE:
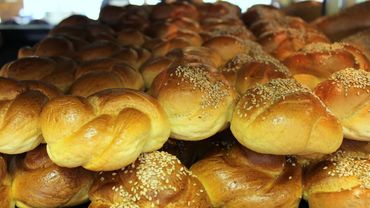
(25, 22)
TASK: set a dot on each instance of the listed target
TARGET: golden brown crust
(317, 61)
(197, 99)
(131, 37)
(98, 49)
(229, 46)
(134, 56)
(347, 94)
(361, 40)
(238, 177)
(58, 71)
(38, 182)
(269, 119)
(162, 48)
(155, 179)
(246, 70)
(106, 131)
(153, 67)
(164, 11)
(195, 55)
(117, 76)
(20, 108)
(6, 200)
(340, 179)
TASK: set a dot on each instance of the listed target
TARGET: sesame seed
(154, 172)
(271, 92)
(323, 47)
(213, 90)
(352, 78)
(351, 164)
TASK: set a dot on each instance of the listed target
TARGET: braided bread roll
(117, 76)
(246, 70)
(58, 71)
(347, 94)
(5, 185)
(106, 131)
(316, 62)
(282, 117)
(155, 179)
(238, 177)
(20, 107)
(197, 99)
(229, 46)
(341, 179)
(39, 183)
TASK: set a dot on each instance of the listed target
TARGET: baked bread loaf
(117, 76)
(307, 10)
(131, 37)
(360, 40)
(134, 56)
(6, 200)
(238, 177)
(346, 22)
(39, 183)
(164, 11)
(97, 49)
(179, 56)
(20, 107)
(347, 94)
(246, 70)
(155, 179)
(229, 46)
(341, 179)
(153, 67)
(106, 131)
(58, 71)
(197, 99)
(317, 61)
(281, 117)
(50, 46)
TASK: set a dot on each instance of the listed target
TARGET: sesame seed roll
(282, 117)
(156, 179)
(347, 94)
(341, 179)
(197, 99)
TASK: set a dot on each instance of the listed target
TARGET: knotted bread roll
(39, 183)
(316, 62)
(347, 94)
(341, 179)
(245, 70)
(197, 99)
(20, 108)
(117, 76)
(106, 131)
(155, 179)
(238, 177)
(58, 71)
(282, 117)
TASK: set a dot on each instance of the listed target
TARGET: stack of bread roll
(186, 105)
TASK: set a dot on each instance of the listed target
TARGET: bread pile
(186, 105)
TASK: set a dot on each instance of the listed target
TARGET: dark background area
(15, 37)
